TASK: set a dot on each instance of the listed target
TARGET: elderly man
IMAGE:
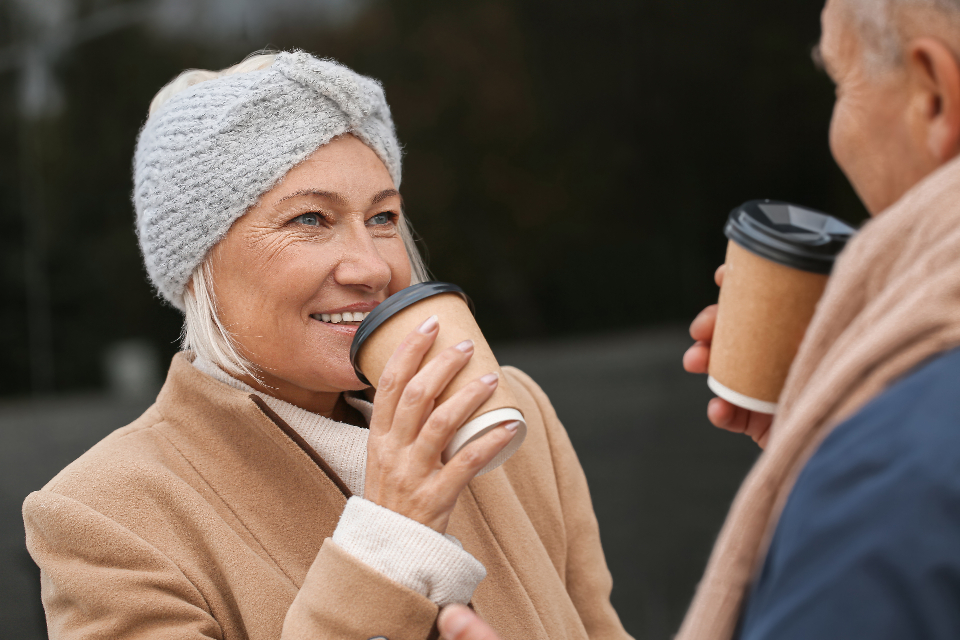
(849, 525)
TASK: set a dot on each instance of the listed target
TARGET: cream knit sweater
(402, 549)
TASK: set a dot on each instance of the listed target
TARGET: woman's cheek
(400, 269)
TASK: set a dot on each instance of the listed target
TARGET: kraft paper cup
(390, 322)
(779, 258)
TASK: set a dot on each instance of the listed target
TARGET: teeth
(336, 318)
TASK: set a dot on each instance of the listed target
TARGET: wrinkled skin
(322, 241)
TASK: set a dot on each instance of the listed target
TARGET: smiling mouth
(341, 318)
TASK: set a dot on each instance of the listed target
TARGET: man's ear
(936, 80)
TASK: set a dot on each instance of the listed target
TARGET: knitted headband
(211, 151)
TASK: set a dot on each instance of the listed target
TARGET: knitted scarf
(892, 302)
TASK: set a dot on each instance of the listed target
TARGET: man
(849, 525)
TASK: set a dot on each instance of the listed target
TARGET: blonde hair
(253, 62)
(203, 331)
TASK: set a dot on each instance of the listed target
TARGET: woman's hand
(408, 434)
(721, 413)
(457, 622)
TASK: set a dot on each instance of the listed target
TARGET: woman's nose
(361, 264)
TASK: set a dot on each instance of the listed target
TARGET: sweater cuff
(409, 553)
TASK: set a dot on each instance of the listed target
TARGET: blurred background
(570, 164)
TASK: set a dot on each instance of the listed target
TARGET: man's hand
(457, 622)
(721, 413)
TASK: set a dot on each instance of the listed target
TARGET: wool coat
(209, 517)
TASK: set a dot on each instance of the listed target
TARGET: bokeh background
(570, 164)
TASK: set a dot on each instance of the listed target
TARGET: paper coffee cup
(779, 257)
(391, 321)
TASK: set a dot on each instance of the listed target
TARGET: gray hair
(876, 22)
(203, 331)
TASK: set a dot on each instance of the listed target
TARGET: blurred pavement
(661, 476)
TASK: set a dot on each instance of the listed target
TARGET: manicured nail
(490, 379)
(465, 346)
(512, 426)
(429, 324)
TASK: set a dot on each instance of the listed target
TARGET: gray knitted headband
(210, 152)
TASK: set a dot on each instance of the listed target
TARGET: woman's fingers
(452, 414)
(417, 400)
(400, 368)
(457, 622)
(468, 462)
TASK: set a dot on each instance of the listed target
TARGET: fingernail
(465, 346)
(512, 426)
(490, 378)
(429, 324)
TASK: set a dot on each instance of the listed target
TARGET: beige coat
(208, 517)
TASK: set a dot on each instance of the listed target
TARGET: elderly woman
(264, 495)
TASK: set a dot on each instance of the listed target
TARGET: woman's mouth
(346, 318)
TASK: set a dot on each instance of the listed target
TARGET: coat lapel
(275, 489)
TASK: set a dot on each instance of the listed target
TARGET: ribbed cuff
(408, 552)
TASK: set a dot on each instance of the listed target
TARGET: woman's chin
(339, 378)
(352, 383)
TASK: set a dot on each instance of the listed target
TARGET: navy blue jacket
(868, 545)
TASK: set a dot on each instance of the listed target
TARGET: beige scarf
(893, 301)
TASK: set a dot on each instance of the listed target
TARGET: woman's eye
(311, 219)
(381, 218)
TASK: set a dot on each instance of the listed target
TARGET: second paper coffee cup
(779, 257)
(392, 320)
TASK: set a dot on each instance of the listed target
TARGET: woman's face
(324, 241)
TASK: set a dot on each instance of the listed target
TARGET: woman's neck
(325, 403)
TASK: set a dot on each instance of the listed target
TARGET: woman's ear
(935, 77)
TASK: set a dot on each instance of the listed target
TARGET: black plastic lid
(397, 302)
(789, 234)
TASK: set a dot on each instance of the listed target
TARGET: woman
(264, 495)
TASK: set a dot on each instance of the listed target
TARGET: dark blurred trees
(570, 164)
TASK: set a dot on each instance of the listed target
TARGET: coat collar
(280, 490)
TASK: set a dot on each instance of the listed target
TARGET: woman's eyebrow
(336, 197)
(329, 195)
(383, 195)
